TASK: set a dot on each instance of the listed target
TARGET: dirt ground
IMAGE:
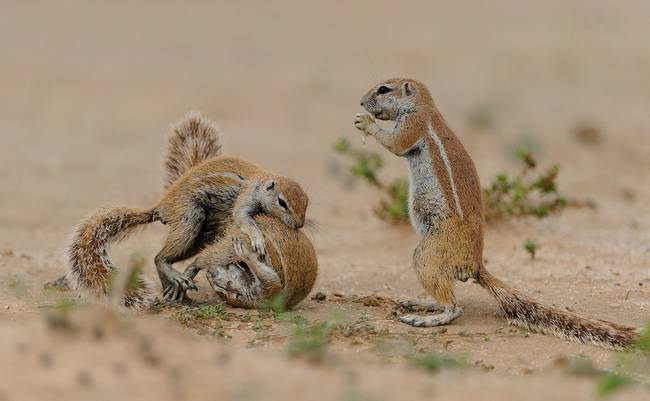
(89, 92)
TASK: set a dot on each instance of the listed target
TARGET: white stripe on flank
(284, 265)
(443, 154)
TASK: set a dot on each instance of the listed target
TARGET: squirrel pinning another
(205, 194)
(446, 209)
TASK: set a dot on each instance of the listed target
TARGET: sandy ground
(88, 94)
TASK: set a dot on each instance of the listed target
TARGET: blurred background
(89, 90)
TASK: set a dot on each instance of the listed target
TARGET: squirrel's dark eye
(283, 204)
(383, 89)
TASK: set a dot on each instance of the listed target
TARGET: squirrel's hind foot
(449, 314)
(419, 305)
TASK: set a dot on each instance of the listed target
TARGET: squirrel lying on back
(243, 278)
(205, 194)
(446, 209)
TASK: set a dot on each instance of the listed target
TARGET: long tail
(525, 312)
(193, 140)
(91, 269)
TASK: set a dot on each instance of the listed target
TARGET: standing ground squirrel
(446, 209)
(204, 194)
(244, 278)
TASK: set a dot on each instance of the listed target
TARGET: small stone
(319, 296)
(7, 252)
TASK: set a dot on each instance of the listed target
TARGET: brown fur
(452, 244)
(192, 140)
(91, 269)
(290, 253)
(197, 207)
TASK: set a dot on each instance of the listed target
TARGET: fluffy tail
(193, 140)
(523, 311)
(91, 269)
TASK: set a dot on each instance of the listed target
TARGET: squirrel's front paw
(242, 249)
(257, 242)
(363, 122)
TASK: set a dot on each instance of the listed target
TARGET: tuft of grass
(129, 279)
(276, 305)
(611, 382)
(216, 311)
(531, 247)
(310, 341)
(393, 203)
(632, 367)
(434, 362)
(643, 344)
(135, 268)
(206, 319)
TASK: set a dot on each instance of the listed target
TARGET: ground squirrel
(445, 208)
(244, 278)
(204, 193)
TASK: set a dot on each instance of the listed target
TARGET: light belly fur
(427, 203)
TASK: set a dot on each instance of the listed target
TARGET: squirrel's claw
(244, 251)
(178, 287)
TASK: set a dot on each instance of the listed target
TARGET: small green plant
(366, 165)
(531, 247)
(129, 279)
(435, 361)
(611, 382)
(632, 367)
(523, 194)
(277, 304)
(310, 341)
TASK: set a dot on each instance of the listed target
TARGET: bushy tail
(193, 140)
(525, 312)
(91, 269)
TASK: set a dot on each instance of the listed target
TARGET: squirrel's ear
(270, 184)
(408, 89)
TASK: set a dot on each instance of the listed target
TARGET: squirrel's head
(284, 198)
(232, 283)
(393, 97)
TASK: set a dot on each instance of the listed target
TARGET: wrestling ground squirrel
(446, 209)
(243, 278)
(204, 193)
